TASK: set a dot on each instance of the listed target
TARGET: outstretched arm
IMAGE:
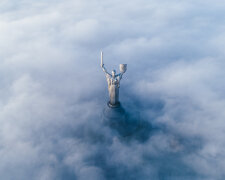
(120, 75)
(104, 69)
(123, 69)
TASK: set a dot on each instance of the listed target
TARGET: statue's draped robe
(113, 87)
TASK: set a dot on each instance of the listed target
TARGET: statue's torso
(113, 87)
(113, 80)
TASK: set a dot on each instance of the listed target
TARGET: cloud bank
(53, 91)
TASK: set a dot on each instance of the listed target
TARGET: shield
(123, 68)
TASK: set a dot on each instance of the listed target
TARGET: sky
(53, 91)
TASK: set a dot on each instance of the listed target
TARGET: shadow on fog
(128, 119)
(129, 126)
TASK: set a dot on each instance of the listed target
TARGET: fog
(53, 91)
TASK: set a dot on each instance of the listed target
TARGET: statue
(113, 83)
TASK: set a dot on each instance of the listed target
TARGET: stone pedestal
(118, 119)
(114, 115)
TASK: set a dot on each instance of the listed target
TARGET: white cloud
(53, 91)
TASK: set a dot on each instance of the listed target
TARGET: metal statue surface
(113, 83)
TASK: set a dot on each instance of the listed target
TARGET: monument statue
(113, 83)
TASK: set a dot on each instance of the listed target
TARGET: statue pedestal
(114, 115)
(117, 105)
(117, 118)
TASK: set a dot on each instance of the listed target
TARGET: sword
(101, 58)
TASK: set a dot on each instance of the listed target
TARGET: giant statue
(113, 81)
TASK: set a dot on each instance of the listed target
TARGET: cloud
(53, 91)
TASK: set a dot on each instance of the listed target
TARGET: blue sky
(52, 89)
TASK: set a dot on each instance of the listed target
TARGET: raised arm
(120, 75)
(104, 70)
(123, 69)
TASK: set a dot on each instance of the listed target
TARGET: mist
(53, 91)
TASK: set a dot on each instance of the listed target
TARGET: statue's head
(113, 73)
